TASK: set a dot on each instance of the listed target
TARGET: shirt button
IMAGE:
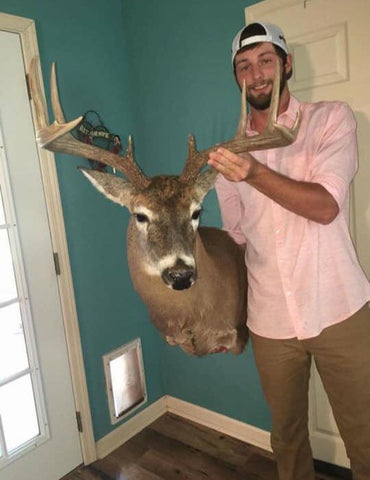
(277, 230)
(288, 293)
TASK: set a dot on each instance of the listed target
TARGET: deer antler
(273, 136)
(57, 137)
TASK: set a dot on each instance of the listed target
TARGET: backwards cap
(258, 32)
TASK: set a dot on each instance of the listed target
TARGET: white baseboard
(128, 429)
(208, 418)
(221, 423)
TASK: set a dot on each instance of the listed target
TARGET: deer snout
(180, 276)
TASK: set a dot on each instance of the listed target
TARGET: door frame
(26, 30)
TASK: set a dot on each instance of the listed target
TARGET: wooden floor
(172, 448)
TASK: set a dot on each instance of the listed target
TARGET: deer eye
(196, 214)
(141, 218)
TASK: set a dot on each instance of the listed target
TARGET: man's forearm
(310, 200)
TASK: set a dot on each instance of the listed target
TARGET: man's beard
(262, 101)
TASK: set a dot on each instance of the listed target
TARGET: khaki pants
(342, 357)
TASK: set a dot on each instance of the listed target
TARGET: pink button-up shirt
(303, 276)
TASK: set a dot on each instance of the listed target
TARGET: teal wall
(158, 70)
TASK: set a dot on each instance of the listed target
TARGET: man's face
(257, 68)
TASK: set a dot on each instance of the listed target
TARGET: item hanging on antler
(93, 132)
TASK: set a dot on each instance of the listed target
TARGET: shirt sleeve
(230, 207)
(336, 159)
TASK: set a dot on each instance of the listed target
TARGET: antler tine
(57, 137)
(273, 136)
(47, 133)
(38, 99)
(54, 95)
(242, 125)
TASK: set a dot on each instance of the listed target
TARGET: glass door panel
(23, 422)
(8, 289)
(18, 413)
(2, 215)
(13, 352)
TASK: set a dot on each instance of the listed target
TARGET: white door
(329, 41)
(54, 449)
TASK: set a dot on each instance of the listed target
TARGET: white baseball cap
(258, 32)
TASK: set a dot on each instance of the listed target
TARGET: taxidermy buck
(192, 279)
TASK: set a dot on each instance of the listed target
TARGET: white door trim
(26, 30)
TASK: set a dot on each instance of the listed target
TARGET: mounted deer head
(165, 247)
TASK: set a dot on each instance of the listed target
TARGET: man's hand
(233, 167)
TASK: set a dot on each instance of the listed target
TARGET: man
(307, 293)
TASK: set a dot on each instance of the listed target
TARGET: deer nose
(179, 279)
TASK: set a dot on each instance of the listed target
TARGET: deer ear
(113, 187)
(204, 182)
